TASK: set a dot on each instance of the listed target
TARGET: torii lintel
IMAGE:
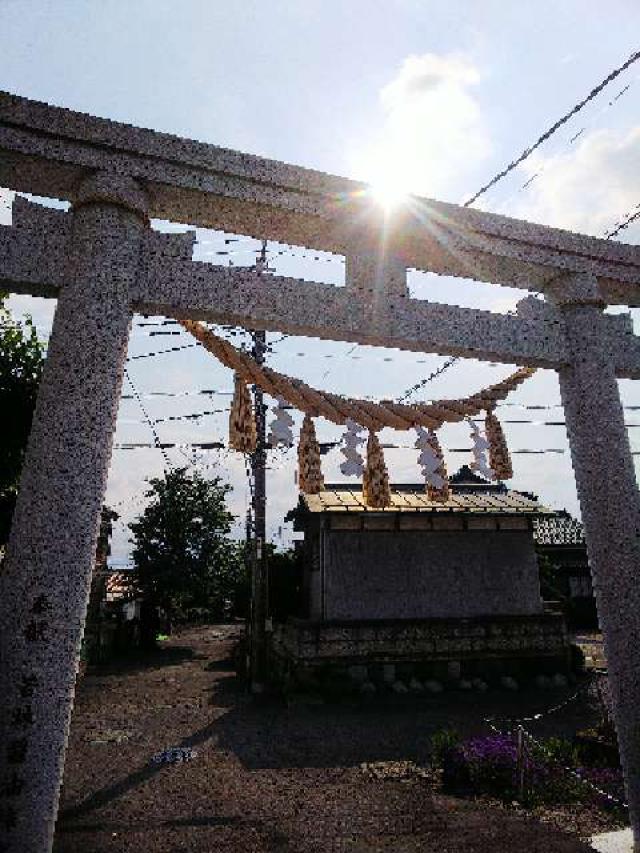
(34, 253)
(50, 151)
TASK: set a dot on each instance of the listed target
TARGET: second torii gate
(102, 262)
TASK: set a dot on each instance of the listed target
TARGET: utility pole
(259, 578)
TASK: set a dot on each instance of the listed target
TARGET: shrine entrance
(103, 263)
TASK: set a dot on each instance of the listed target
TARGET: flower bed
(533, 773)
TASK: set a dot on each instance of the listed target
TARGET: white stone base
(613, 842)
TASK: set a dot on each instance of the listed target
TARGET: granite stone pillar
(610, 504)
(44, 584)
(376, 275)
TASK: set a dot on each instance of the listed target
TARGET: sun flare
(389, 186)
(388, 193)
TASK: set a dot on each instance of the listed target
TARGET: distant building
(113, 610)
(429, 587)
(118, 592)
(560, 538)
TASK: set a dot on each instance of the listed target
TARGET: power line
(526, 406)
(576, 136)
(156, 438)
(163, 445)
(161, 352)
(147, 395)
(447, 364)
(299, 354)
(198, 415)
(625, 222)
(345, 355)
(554, 127)
(325, 447)
(279, 340)
(191, 417)
(334, 259)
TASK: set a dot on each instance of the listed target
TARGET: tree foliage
(549, 579)
(183, 556)
(284, 572)
(21, 364)
(285, 583)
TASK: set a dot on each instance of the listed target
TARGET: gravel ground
(275, 777)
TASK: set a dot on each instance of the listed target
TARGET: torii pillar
(610, 504)
(44, 584)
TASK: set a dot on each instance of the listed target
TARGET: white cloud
(434, 134)
(41, 311)
(423, 75)
(589, 188)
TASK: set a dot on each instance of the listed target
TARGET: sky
(427, 97)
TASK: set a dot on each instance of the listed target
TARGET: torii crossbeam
(103, 262)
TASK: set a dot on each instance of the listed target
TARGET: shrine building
(432, 587)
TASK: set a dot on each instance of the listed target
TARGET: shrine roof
(559, 529)
(413, 498)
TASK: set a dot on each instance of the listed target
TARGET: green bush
(443, 743)
(490, 765)
(562, 751)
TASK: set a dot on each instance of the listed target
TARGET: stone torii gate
(102, 262)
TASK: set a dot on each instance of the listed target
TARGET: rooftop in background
(470, 494)
(559, 529)
(118, 586)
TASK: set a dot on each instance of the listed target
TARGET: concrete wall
(422, 574)
(487, 647)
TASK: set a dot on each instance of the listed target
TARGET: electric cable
(156, 438)
(554, 127)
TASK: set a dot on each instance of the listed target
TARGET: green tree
(21, 364)
(285, 583)
(549, 580)
(284, 572)
(184, 560)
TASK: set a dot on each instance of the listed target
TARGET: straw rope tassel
(310, 479)
(338, 409)
(443, 492)
(499, 457)
(375, 483)
(242, 426)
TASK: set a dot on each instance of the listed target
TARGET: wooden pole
(259, 604)
(520, 763)
(259, 580)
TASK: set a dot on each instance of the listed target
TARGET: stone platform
(490, 648)
(614, 842)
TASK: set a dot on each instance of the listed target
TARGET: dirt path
(267, 777)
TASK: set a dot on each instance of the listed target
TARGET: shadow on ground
(141, 660)
(272, 775)
(306, 731)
